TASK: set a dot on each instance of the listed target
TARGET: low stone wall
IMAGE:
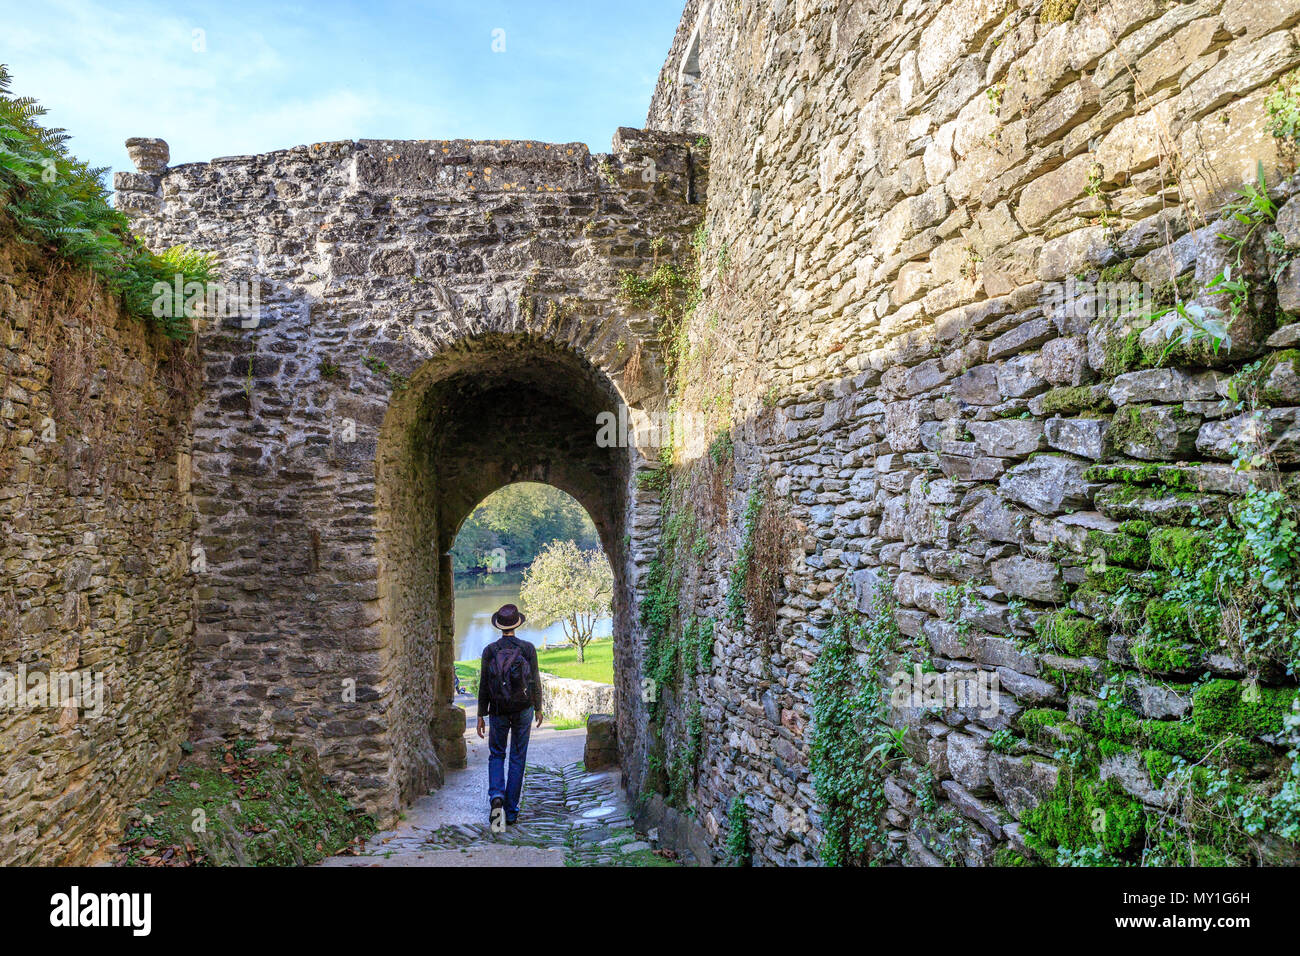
(566, 699)
(96, 595)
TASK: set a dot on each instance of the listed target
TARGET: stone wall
(98, 521)
(899, 194)
(564, 698)
(437, 319)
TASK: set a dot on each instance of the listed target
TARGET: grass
(242, 808)
(563, 662)
(560, 661)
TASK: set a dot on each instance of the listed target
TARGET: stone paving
(584, 816)
(568, 817)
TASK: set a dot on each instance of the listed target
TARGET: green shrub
(1283, 106)
(739, 851)
(60, 203)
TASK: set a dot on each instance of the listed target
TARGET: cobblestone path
(568, 817)
(584, 814)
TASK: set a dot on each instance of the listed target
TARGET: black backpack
(508, 679)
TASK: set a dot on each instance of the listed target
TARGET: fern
(57, 201)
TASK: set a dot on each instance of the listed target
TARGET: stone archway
(494, 410)
(395, 278)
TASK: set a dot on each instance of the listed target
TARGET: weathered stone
(1155, 432)
(968, 760)
(973, 808)
(1085, 437)
(564, 698)
(1021, 784)
(1158, 701)
(1048, 484)
(1008, 438)
(601, 749)
(1017, 378)
(1127, 770)
(1027, 577)
(1063, 361)
(1163, 385)
(149, 155)
(1275, 431)
(979, 386)
(1027, 335)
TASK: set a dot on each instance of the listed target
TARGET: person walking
(510, 695)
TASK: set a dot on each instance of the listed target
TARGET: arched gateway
(437, 319)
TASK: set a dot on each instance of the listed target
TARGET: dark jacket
(534, 679)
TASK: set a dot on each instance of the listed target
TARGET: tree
(569, 585)
(519, 519)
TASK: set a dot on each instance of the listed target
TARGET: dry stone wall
(437, 319)
(96, 621)
(917, 212)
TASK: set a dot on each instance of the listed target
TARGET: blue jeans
(517, 727)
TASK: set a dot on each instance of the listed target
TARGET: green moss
(1107, 748)
(1111, 579)
(1174, 507)
(1153, 654)
(1071, 633)
(1168, 620)
(1113, 722)
(1145, 474)
(1135, 527)
(270, 809)
(1134, 425)
(1084, 812)
(1058, 11)
(1068, 399)
(1126, 353)
(1119, 272)
(1206, 855)
(1119, 548)
(1175, 737)
(1034, 723)
(1178, 549)
(1005, 856)
(1121, 354)
(1159, 764)
(1220, 707)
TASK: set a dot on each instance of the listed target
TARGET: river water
(477, 598)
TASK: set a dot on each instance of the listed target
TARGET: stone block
(601, 749)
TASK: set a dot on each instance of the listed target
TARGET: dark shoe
(497, 815)
(511, 821)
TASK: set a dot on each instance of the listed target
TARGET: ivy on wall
(851, 743)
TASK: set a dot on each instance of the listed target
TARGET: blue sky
(239, 76)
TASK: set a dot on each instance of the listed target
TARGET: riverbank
(478, 596)
(560, 661)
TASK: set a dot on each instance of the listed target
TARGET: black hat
(507, 618)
